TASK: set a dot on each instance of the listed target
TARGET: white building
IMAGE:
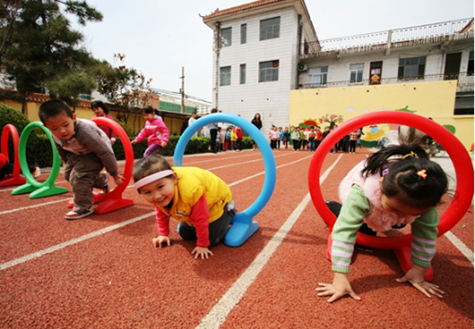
(256, 54)
(432, 52)
(265, 49)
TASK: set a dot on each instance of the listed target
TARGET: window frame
(226, 36)
(269, 71)
(242, 74)
(470, 63)
(405, 64)
(356, 73)
(225, 77)
(243, 34)
(322, 73)
(268, 29)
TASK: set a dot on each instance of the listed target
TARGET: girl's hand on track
(416, 277)
(203, 252)
(157, 242)
(339, 288)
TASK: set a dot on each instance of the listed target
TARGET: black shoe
(334, 207)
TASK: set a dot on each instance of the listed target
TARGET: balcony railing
(423, 34)
(465, 81)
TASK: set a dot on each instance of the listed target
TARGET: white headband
(152, 178)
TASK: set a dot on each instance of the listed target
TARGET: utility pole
(182, 89)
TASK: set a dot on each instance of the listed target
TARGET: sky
(159, 37)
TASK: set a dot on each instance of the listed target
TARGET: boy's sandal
(76, 214)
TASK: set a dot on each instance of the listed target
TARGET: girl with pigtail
(394, 187)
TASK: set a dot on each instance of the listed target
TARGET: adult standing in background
(191, 120)
(256, 121)
(213, 131)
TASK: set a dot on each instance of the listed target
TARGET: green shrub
(10, 115)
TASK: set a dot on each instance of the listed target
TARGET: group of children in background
(394, 187)
(229, 140)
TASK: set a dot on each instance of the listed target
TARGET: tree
(123, 86)
(43, 51)
(9, 13)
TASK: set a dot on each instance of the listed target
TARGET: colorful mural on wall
(428, 99)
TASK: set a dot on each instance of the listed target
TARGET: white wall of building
(270, 99)
(339, 68)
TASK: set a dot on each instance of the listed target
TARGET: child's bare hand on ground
(201, 251)
(157, 242)
(416, 277)
(119, 179)
(339, 288)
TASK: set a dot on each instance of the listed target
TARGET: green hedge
(39, 150)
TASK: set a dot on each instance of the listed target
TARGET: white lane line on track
(220, 311)
(460, 246)
(34, 206)
(92, 234)
(72, 242)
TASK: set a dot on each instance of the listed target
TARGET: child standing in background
(85, 149)
(227, 142)
(199, 199)
(274, 137)
(233, 138)
(101, 111)
(296, 136)
(280, 137)
(239, 139)
(318, 137)
(303, 138)
(286, 137)
(396, 186)
(218, 138)
(311, 140)
(155, 129)
(353, 139)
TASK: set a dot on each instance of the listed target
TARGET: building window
(269, 71)
(270, 28)
(464, 104)
(317, 75)
(242, 79)
(470, 64)
(226, 37)
(356, 72)
(86, 97)
(411, 68)
(243, 33)
(225, 76)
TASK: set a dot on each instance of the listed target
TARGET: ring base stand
(9, 181)
(42, 192)
(242, 228)
(108, 203)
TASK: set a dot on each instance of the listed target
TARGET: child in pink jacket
(155, 129)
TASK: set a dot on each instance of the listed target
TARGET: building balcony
(438, 33)
(464, 82)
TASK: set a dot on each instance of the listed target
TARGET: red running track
(103, 272)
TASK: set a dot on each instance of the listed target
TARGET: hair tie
(409, 155)
(422, 173)
(385, 172)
